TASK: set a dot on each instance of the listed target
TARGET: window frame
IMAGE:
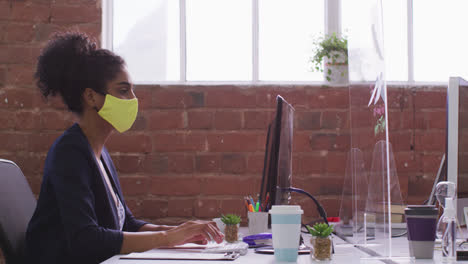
(332, 24)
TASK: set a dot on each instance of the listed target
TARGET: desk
(344, 253)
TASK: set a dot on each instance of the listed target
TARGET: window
(271, 40)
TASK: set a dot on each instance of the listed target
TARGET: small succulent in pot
(231, 230)
(321, 241)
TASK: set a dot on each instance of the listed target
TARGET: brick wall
(196, 150)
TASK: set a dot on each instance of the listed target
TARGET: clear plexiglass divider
(372, 206)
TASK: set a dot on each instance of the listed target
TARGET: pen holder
(258, 222)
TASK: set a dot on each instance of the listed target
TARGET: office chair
(17, 205)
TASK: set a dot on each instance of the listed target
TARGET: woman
(81, 216)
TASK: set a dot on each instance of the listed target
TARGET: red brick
(140, 123)
(431, 163)
(359, 95)
(228, 185)
(159, 120)
(234, 206)
(20, 74)
(255, 163)
(407, 162)
(155, 163)
(362, 119)
(29, 11)
(395, 118)
(233, 142)
(44, 31)
(308, 120)
(35, 183)
(266, 98)
(7, 119)
(15, 54)
(145, 96)
(233, 163)
(139, 143)
(430, 99)
(437, 119)
(430, 141)
(175, 185)
(200, 120)
(177, 98)
(71, 13)
(207, 208)
(134, 185)
(335, 120)
(19, 32)
(19, 98)
(179, 142)
(413, 120)
(154, 208)
(230, 97)
(54, 102)
(56, 120)
(180, 163)
(181, 207)
(402, 141)
(302, 141)
(309, 164)
(3, 75)
(5, 10)
(134, 206)
(30, 163)
(257, 119)
(27, 120)
(399, 98)
(128, 163)
(208, 163)
(330, 98)
(227, 120)
(419, 185)
(14, 142)
(336, 163)
(320, 185)
(43, 141)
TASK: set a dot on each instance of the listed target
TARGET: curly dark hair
(71, 62)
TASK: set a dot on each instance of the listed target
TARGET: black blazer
(76, 220)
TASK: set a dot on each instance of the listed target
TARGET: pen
(257, 206)
(251, 209)
(266, 202)
(251, 200)
(246, 204)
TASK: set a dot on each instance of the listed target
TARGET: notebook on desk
(155, 254)
(190, 251)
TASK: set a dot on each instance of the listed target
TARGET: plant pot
(336, 70)
(321, 248)
(231, 233)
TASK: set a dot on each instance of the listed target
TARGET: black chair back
(17, 205)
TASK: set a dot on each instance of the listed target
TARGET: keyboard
(238, 247)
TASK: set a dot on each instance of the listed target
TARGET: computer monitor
(457, 141)
(277, 169)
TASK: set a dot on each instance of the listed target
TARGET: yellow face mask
(120, 113)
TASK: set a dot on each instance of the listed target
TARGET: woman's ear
(90, 98)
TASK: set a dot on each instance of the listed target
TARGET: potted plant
(321, 241)
(331, 58)
(230, 231)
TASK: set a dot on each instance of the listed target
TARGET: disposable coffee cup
(286, 228)
(258, 222)
(421, 221)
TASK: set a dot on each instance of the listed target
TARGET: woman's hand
(197, 231)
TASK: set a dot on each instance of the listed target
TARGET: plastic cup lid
(286, 209)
